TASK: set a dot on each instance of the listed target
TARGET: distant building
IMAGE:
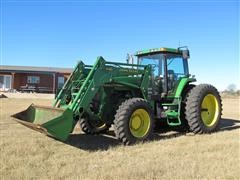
(32, 79)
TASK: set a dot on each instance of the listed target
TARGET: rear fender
(181, 86)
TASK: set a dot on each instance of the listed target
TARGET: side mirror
(185, 54)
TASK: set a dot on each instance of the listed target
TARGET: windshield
(175, 64)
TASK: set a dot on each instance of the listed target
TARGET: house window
(60, 81)
(33, 79)
(5, 82)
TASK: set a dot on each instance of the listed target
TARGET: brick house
(32, 79)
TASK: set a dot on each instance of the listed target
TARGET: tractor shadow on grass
(92, 142)
(105, 141)
(172, 132)
(228, 124)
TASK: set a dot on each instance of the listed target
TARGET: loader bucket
(56, 122)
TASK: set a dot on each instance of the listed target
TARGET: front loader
(131, 97)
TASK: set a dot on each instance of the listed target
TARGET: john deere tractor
(131, 97)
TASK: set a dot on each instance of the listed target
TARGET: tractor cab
(169, 66)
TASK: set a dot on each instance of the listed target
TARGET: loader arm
(80, 71)
(104, 72)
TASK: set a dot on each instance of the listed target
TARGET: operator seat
(172, 78)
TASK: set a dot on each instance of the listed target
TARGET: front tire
(133, 121)
(203, 109)
(89, 127)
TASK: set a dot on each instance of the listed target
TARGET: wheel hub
(209, 110)
(139, 123)
(136, 124)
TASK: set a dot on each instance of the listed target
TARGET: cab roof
(157, 50)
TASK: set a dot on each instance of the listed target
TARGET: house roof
(7, 68)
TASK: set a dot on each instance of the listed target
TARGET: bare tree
(231, 87)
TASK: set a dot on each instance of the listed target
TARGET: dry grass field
(27, 154)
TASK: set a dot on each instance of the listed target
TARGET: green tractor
(131, 97)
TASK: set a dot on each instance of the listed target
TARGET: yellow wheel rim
(209, 110)
(139, 123)
(99, 125)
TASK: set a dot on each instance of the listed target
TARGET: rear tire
(184, 125)
(203, 109)
(133, 121)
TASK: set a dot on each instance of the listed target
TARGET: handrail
(125, 64)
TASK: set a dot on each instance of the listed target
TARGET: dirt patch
(29, 95)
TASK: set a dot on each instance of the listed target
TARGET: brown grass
(26, 154)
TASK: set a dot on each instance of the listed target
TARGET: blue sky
(59, 33)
